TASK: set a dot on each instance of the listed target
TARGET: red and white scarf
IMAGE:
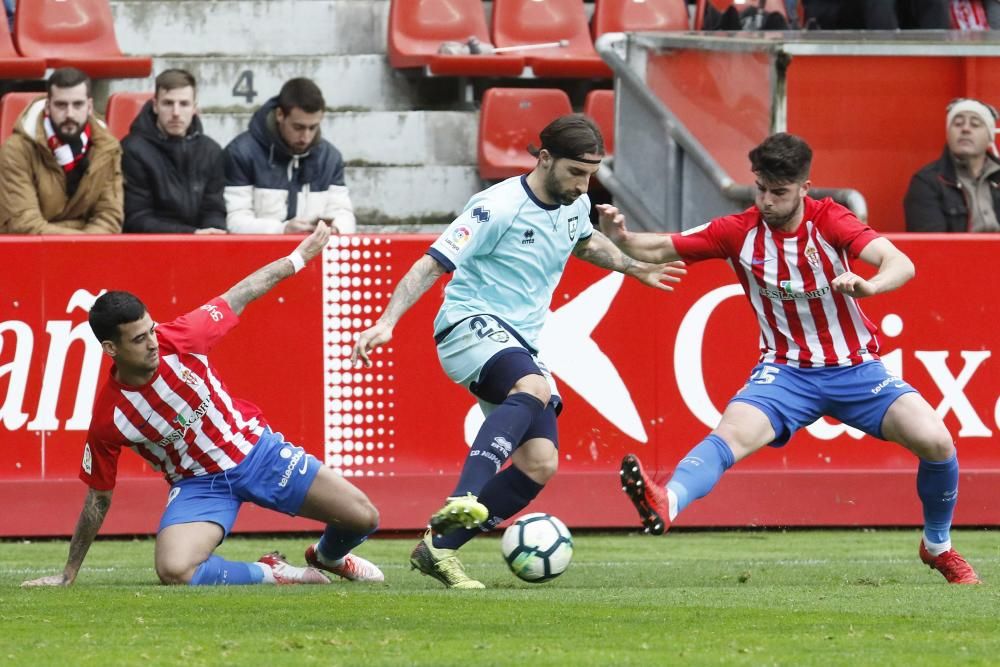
(69, 155)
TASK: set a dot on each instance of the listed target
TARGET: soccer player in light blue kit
(508, 250)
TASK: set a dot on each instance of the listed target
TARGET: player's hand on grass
(51, 580)
(612, 223)
(378, 334)
(658, 276)
(313, 244)
(853, 285)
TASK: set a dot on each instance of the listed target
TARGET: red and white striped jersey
(786, 278)
(183, 422)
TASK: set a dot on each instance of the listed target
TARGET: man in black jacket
(282, 175)
(960, 192)
(174, 174)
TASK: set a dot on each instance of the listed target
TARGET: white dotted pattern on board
(358, 402)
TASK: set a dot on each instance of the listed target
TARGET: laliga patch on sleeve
(458, 237)
(88, 460)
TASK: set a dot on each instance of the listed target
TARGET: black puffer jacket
(935, 202)
(171, 185)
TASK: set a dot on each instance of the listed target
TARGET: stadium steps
(410, 166)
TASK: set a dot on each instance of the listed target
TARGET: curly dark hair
(782, 158)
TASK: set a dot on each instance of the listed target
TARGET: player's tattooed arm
(600, 251)
(260, 282)
(95, 508)
(424, 273)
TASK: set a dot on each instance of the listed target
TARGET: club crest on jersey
(573, 223)
(190, 378)
(812, 255)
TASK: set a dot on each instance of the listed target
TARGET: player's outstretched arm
(895, 269)
(424, 273)
(260, 282)
(645, 246)
(95, 508)
(600, 251)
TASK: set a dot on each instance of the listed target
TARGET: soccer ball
(537, 547)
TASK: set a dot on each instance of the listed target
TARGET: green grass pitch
(743, 598)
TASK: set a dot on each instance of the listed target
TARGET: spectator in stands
(993, 13)
(877, 14)
(960, 192)
(174, 174)
(281, 175)
(61, 167)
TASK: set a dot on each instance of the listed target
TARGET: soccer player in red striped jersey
(819, 353)
(166, 401)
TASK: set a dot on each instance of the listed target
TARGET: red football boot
(951, 564)
(649, 498)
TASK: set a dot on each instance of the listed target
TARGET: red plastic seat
(122, 110)
(509, 120)
(526, 22)
(417, 29)
(639, 15)
(12, 64)
(600, 105)
(11, 106)
(722, 5)
(79, 33)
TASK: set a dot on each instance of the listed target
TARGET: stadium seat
(509, 120)
(15, 66)
(639, 15)
(11, 106)
(600, 105)
(722, 5)
(417, 30)
(527, 22)
(122, 110)
(80, 34)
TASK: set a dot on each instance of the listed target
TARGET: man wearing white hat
(960, 192)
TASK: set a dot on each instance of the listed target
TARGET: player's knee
(363, 516)
(174, 573)
(536, 385)
(540, 467)
(367, 517)
(939, 446)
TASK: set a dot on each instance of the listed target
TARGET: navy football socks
(503, 430)
(505, 495)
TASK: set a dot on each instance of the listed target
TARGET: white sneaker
(353, 568)
(285, 573)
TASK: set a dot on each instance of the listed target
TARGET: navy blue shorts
(859, 396)
(275, 474)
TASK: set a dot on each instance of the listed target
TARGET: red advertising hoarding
(639, 370)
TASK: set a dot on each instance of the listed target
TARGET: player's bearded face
(566, 180)
(780, 203)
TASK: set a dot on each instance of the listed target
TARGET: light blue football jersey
(508, 251)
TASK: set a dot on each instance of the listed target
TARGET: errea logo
(481, 214)
(528, 238)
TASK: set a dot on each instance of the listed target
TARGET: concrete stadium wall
(408, 167)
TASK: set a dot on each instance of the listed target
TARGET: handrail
(608, 46)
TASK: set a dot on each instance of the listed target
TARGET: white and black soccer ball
(537, 547)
